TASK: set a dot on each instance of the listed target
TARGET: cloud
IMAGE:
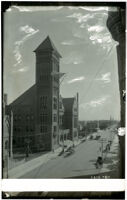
(35, 8)
(60, 19)
(73, 58)
(80, 17)
(94, 24)
(105, 78)
(81, 78)
(54, 8)
(103, 39)
(23, 69)
(73, 7)
(96, 28)
(95, 103)
(89, 8)
(68, 42)
(29, 31)
(83, 19)
(95, 8)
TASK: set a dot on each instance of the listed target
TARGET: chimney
(77, 98)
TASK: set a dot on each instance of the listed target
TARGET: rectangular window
(55, 66)
(60, 120)
(55, 118)
(55, 91)
(44, 118)
(60, 105)
(43, 129)
(43, 101)
(54, 128)
(44, 78)
(55, 103)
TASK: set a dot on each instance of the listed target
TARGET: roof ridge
(24, 93)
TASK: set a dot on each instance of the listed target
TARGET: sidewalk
(26, 167)
(111, 161)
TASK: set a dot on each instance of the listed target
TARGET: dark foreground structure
(65, 195)
(116, 25)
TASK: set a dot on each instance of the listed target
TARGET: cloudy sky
(88, 55)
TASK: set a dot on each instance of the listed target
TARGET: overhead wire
(97, 72)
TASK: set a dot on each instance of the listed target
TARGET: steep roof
(47, 44)
(26, 98)
(68, 103)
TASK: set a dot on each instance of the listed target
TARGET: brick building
(38, 112)
(70, 118)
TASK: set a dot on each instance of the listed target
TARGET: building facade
(47, 94)
(38, 112)
(70, 118)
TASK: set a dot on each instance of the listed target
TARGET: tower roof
(47, 44)
(68, 103)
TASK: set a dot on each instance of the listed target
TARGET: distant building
(70, 120)
(38, 112)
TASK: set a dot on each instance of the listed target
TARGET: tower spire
(47, 44)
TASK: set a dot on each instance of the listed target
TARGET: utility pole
(11, 136)
(9, 121)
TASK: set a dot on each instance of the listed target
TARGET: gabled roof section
(47, 44)
(68, 103)
(27, 98)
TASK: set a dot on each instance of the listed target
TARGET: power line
(98, 70)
